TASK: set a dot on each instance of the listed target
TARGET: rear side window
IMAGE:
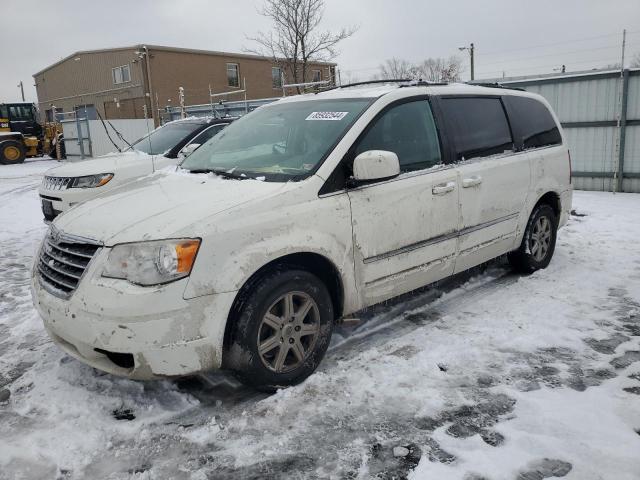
(533, 124)
(478, 126)
(409, 131)
(208, 133)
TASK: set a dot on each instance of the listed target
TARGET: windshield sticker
(327, 116)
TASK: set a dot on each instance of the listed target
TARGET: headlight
(91, 181)
(152, 263)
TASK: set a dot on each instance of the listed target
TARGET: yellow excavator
(22, 136)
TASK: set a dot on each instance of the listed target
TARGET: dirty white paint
(384, 239)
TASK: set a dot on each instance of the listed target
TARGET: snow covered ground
(487, 376)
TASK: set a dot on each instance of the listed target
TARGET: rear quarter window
(478, 126)
(533, 124)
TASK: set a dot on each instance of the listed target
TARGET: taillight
(569, 155)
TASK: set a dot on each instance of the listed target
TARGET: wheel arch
(552, 199)
(313, 262)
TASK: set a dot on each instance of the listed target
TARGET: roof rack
(495, 85)
(423, 83)
(373, 82)
(404, 82)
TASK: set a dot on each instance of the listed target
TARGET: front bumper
(63, 200)
(137, 332)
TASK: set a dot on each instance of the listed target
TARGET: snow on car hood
(104, 164)
(159, 205)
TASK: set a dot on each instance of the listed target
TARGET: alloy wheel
(540, 239)
(288, 332)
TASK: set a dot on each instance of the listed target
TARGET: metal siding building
(587, 105)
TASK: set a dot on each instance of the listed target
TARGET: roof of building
(167, 49)
(555, 76)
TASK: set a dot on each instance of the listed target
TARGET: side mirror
(188, 149)
(375, 165)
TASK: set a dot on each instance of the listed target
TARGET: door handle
(472, 181)
(443, 188)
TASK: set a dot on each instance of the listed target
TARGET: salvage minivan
(302, 212)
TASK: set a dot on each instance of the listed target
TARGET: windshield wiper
(221, 172)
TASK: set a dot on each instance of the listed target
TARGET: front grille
(56, 183)
(63, 260)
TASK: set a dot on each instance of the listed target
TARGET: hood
(105, 164)
(160, 205)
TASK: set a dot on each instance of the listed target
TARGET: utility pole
(620, 137)
(246, 106)
(21, 89)
(211, 101)
(472, 62)
(183, 113)
(471, 50)
(147, 59)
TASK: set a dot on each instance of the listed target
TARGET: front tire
(538, 243)
(281, 331)
(12, 152)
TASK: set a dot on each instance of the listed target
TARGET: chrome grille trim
(56, 183)
(63, 260)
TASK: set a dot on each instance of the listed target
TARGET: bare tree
(397, 68)
(633, 63)
(441, 69)
(431, 69)
(296, 38)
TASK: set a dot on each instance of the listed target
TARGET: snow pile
(491, 375)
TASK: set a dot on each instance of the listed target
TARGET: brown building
(119, 82)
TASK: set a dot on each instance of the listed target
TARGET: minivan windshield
(165, 138)
(279, 142)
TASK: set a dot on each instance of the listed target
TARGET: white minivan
(303, 211)
(72, 183)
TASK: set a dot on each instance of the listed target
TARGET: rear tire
(538, 242)
(12, 152)
(281, 330)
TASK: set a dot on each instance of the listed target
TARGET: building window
(317, 75)
(276, 77)
(87, 111)
(233, 76)
(58, 116)
(121, 74)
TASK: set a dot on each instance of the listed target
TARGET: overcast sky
(519, 38)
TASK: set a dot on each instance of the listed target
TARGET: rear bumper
(566, 202)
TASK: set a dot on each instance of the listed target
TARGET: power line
(552, 65)
(617, 47)
(531, 47)
(519, 59)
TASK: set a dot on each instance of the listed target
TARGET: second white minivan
(70, 184)
(303, 211)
